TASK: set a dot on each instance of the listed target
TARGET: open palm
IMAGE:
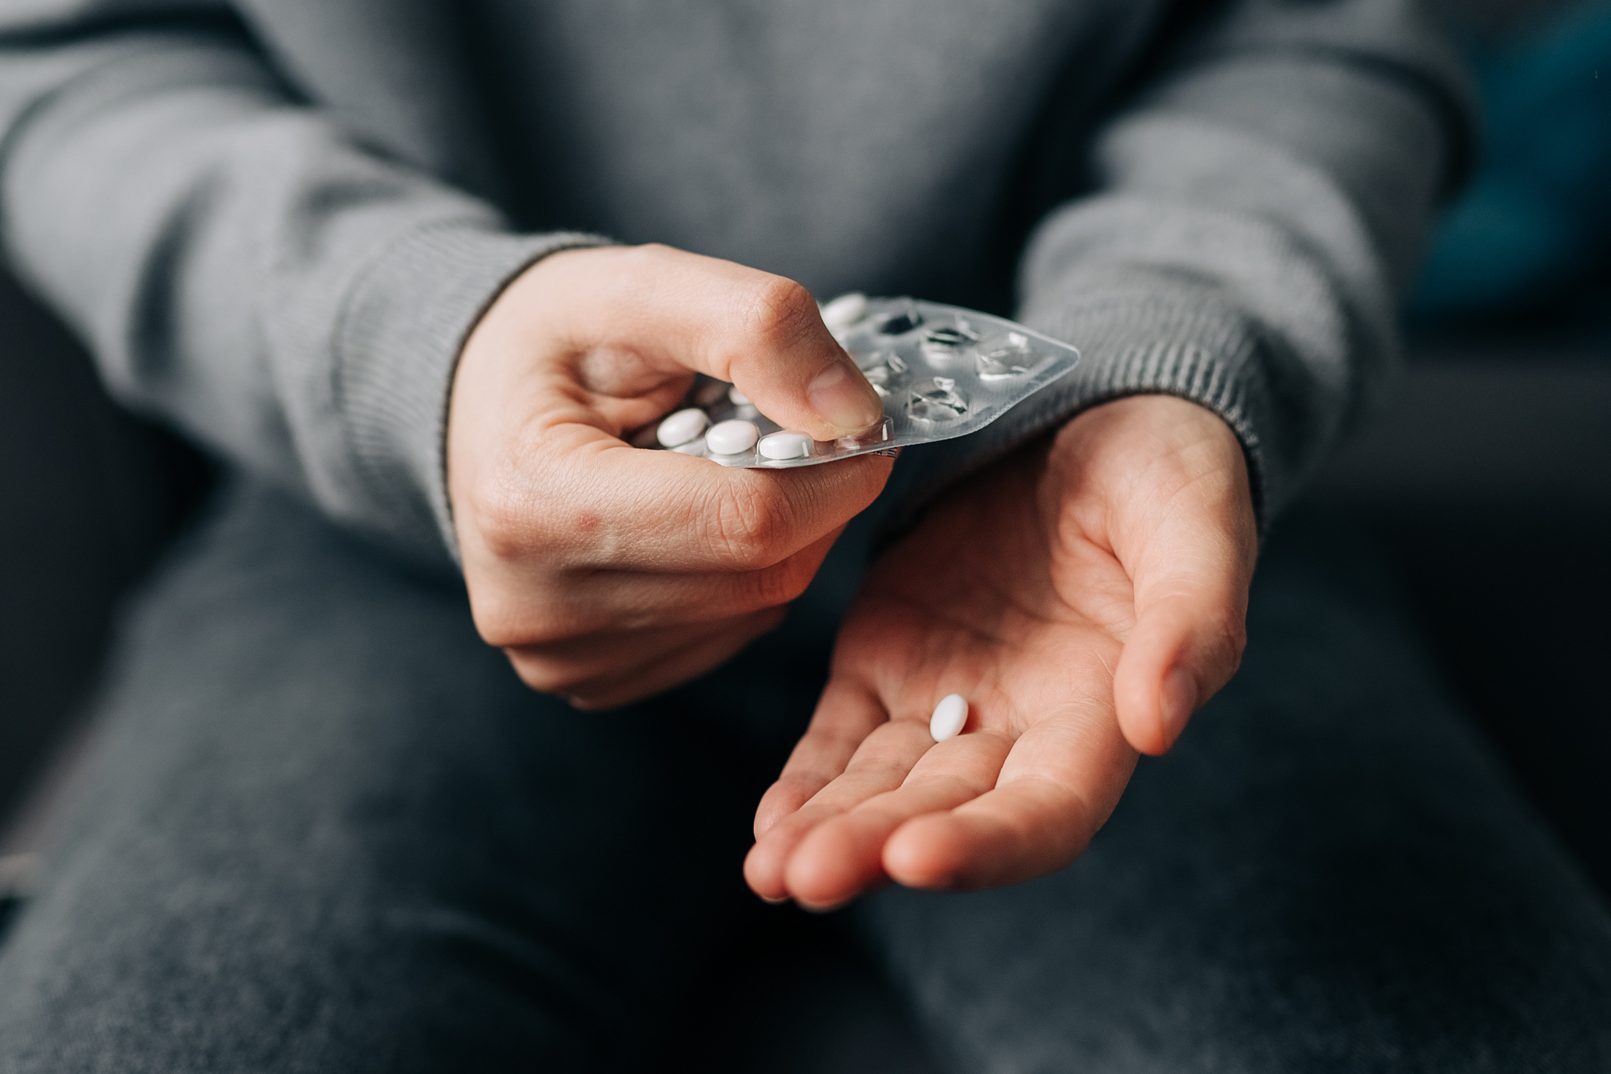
(1104, 571)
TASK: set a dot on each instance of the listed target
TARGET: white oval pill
(731, 437)
(844, 311)
(737, 398)
(787, 444)
(681, 428)
(949, 716)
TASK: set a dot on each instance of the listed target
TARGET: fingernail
(843, 398)
(774, 901)
(1179, 698)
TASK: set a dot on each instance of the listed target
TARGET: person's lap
(327, 829)
(1328, 873)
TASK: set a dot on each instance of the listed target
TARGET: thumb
(1189, 634)
(794, 370)
(757, 330)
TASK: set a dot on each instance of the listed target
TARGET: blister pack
(942, 371)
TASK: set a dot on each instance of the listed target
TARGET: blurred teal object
(1533, 229)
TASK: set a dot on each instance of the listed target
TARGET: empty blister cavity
(884, 372)
(682, 427)
(936, 403)
(872, 359)
(878, 434)
(943, 342)
(1009, 356)
(733, 437)
(844, 311)
(901, 321)
(785, 444)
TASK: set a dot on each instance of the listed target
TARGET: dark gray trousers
(326, 830)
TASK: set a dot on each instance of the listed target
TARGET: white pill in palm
(844, 311)
(787, 444)
(731, 437)
(681, 428)
(949, 716)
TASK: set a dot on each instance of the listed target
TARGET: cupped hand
(606, 572)
(1085, 596)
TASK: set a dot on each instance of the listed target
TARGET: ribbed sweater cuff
(402, 328)
(1188, 343)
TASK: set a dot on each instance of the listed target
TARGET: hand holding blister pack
(941, 371)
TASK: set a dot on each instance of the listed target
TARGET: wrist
(1174, 422)
(402, 332)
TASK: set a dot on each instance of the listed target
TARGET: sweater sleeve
(239, 265)
(1249, 217)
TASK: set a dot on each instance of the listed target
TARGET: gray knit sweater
(275, 220)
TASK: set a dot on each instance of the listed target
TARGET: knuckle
(531, 672)
(495, 621)
(782, 311)
(780, 584)
(544, 629)
(541, 675)
(502, 516)
(601, 699)
(506, 622)
(746, 526)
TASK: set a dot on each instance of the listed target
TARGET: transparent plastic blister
(942, 371)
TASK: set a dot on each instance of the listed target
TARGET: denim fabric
(326, 830)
